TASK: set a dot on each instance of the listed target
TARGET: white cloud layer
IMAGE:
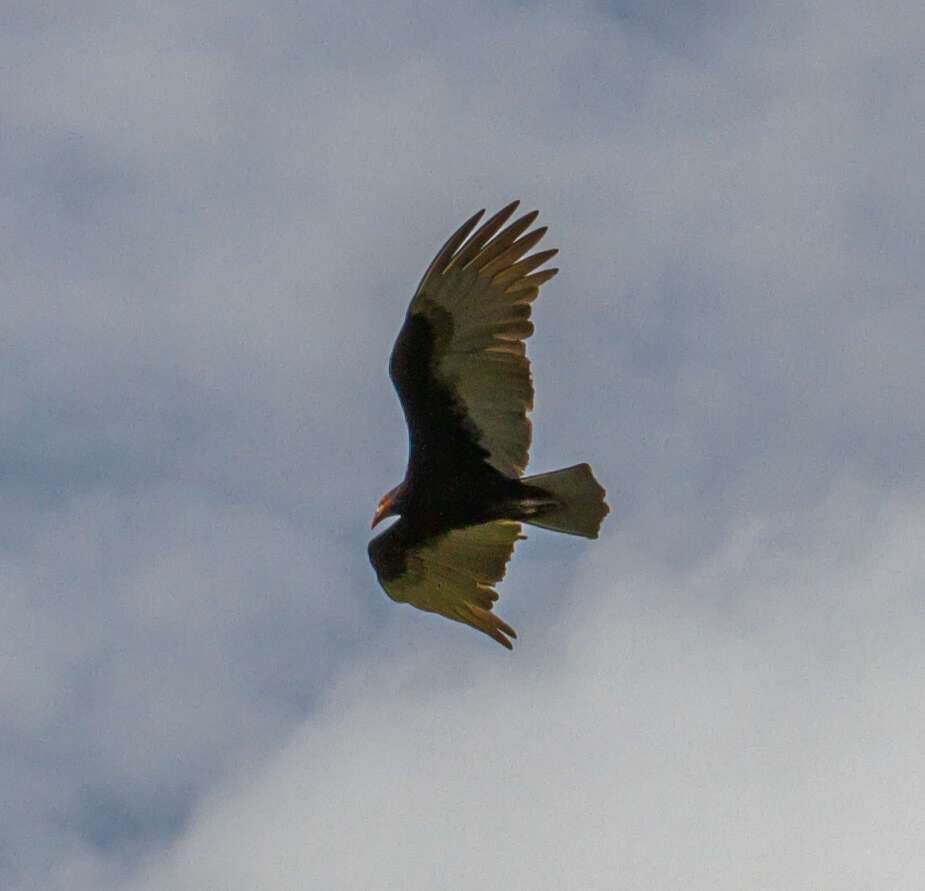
(212, 223)
(683, 737)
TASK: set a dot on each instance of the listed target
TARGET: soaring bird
(462, 374)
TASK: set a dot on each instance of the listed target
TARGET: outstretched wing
(459, 363)
(450, 574)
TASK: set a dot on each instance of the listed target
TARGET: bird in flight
(462, 374)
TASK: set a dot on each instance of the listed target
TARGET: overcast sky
(213, 218)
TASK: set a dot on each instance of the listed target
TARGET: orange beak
(380, 513)
(386, 507)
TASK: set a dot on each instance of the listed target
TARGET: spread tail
(579, 507)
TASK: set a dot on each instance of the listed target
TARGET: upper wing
(450, 574)
(459, 363)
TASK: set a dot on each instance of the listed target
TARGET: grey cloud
(212, 227)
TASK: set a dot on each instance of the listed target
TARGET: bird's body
(460, 368)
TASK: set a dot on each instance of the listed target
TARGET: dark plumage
(460, 368)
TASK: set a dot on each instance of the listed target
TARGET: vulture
(460, 367)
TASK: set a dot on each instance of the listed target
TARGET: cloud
(213, 224)
(738, 723)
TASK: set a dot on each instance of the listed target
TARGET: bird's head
(389, 505)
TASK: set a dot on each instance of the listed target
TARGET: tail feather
(579, 507)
